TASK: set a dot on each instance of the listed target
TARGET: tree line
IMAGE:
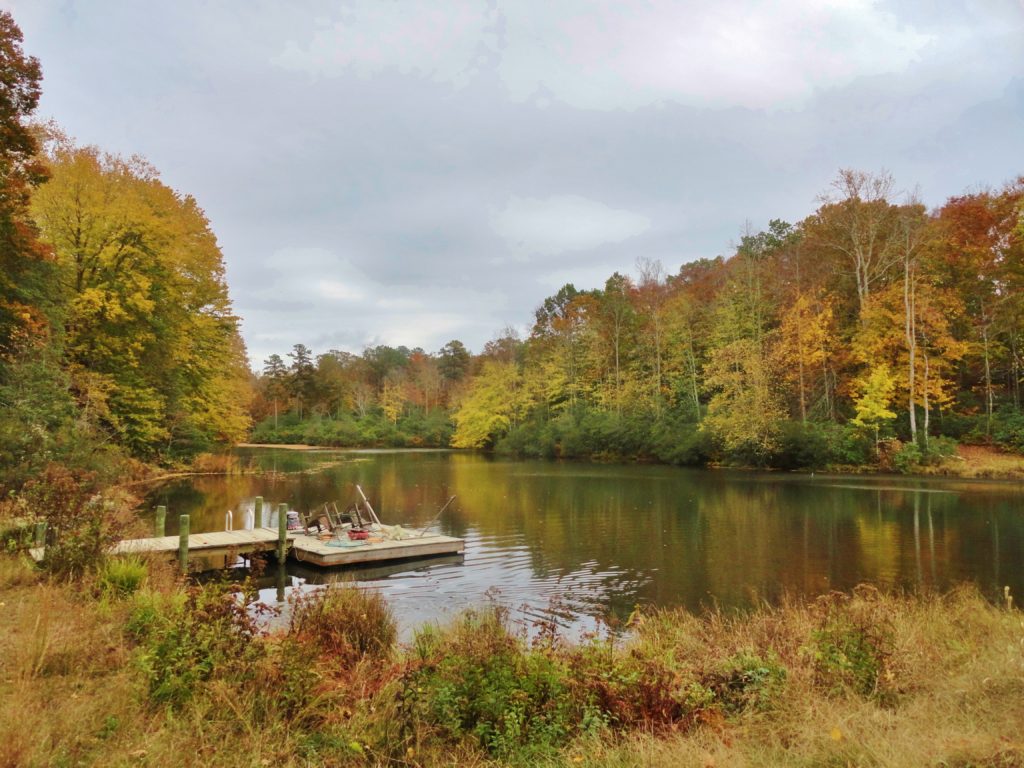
(871, 319)
(872, 329)
(117, 336)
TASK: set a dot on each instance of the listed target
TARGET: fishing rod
(436, 517)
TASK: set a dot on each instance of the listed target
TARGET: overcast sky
(407, 172)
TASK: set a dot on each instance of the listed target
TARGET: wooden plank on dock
(255, 540)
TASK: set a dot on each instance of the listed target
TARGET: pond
(584, 543)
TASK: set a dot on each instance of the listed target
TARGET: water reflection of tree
(639, 534)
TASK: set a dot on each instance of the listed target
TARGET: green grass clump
(121, 577)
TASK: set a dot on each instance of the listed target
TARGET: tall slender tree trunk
(618, 380)
(800, 372)
(824, 378)
(924, 394)
(691, 360)
(911, 339)
(988, 374)
(657, 366)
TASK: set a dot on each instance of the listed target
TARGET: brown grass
(957, 674)
(949, 690)
(981, 462)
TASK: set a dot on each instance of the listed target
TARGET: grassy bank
(127, 666)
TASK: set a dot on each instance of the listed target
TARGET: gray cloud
(408, 172)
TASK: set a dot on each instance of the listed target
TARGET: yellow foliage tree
(872, 403)
(497, 400)
(744, 411)
(805, 334)
(145, 304)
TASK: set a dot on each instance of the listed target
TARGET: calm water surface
(590, 542)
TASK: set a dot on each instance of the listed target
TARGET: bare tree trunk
(927, 410)
(803, 397)
(988, 375)
(824, 379)
(911, 339)
(657, 365)
(692, 365)
(800, 372)
(1015, 371)
(618, 380)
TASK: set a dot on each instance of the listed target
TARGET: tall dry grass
(862, 679)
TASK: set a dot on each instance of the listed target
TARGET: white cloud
(563, 223)
(333, 289)
(413, 37)
(318, 297)
(603, 54)
(584, 277)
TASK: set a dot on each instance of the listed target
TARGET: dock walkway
(304, 548)
(214, 543)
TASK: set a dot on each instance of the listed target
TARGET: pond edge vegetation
(151, 670)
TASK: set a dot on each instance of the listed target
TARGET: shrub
(82, 521)
(817, 445)
(1008, 428)
(852, 645)
(910, 457)
(646, 688)
(344, 624)
(907, 458)
(682, 443)
(749, 681)
(187, 639)
(479, 682)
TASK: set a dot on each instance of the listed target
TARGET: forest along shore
(874, 332)
(968, 462)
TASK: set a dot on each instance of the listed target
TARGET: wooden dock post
(183, 542)
(257, 512)
(160, 528)
(282, 532)
(40, 534)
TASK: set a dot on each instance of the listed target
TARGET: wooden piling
(39, 536)
(257, 512)
(282, 532)
(160, 527)
(183, 542)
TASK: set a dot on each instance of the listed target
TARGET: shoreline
(968, 464)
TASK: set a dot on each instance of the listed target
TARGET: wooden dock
(309, 549)
(301, 547)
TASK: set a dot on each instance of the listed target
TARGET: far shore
(971, 462)
(287, 446)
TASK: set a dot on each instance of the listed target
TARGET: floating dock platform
(309, 549)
